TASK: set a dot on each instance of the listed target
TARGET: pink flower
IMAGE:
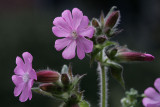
(74, 28)
(152, 98)
(24, 77)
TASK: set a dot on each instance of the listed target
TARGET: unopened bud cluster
(106, 26)
(62, 86)
(110, 53)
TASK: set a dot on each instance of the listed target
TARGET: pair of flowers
(74, 27)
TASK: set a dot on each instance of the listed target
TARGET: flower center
(25, 77)
(74, 35)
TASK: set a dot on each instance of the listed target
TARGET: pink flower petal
(32, 74)
(68, 17)
(17, 80)
(69, 52)
(19, 70)
(153, 105)
(77, 17)
(86, 44)
(84, 23)
(61, 23)
(80, 50)
(19, 61)
(30, 96)
(30, 83)
(28, 61)
(62, 43)
(27, 57)
(88, 32)
(152, 94)
(59, 32)
(147, 101)
(157, 84)
(26, 91)
(25, 94)
(18, 89)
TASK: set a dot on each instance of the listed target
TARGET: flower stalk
(103, 81)
(104, 87)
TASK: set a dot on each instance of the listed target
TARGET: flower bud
(95, 22)
(101, 39)
(48, 87)
(111, 53)
(112, 20)
(47, 76)
(134, 56)
(65, 79)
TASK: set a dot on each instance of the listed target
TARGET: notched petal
(27, 57)
(69, 52)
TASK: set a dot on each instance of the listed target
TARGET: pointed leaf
(117, 72)
(76, 80)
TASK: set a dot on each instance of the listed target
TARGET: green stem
(103, 81)
(103, 87)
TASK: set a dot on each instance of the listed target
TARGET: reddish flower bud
(95, 22)
(134, 56)
(48, 87)
(65, 79)
(47, 76)
(112, 20)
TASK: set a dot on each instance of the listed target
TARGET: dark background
(25, 25)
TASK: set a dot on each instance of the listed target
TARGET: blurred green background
(26, 25)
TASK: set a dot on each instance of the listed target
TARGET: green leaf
(117, 72)
(84, 103)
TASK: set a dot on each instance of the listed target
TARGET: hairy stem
(103, 85)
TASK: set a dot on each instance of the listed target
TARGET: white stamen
(26, 77)
(74, 35)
